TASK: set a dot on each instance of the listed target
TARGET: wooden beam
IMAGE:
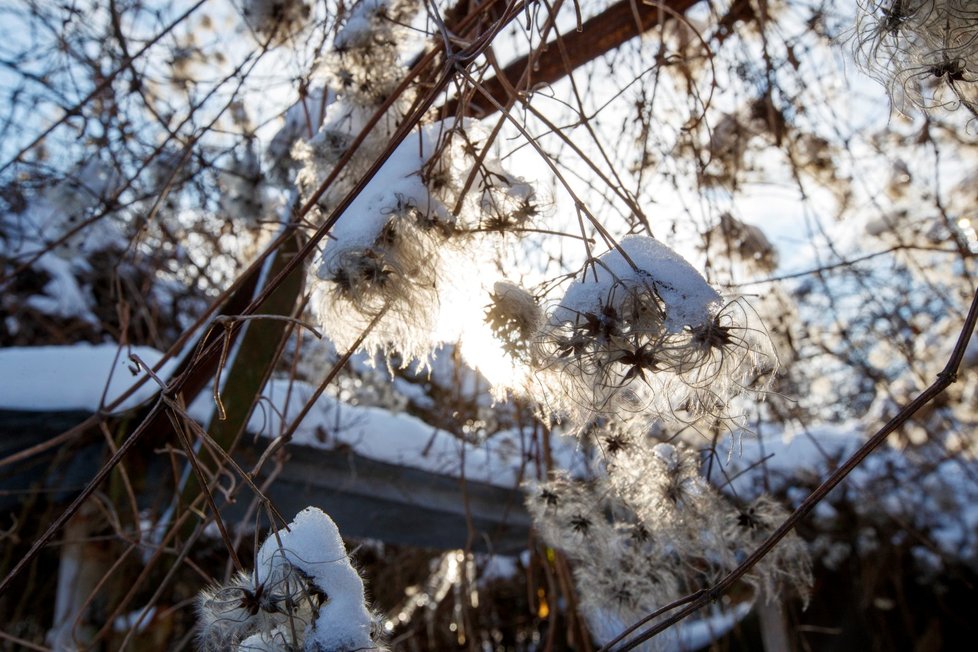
(367, 498)
(599, 35)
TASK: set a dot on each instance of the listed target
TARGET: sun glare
(461, 319)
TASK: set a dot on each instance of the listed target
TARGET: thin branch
(599, 35)
(944, 379)
(105, 83)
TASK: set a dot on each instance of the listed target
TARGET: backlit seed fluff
(514, 317)
(924, 51)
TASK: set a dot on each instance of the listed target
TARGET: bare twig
(701, 598)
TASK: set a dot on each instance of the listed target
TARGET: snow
(499, 567)
(939, 496)
(53, 215)
(696, 634)
(358, 29)
(371, 210)
(783, 456)
(399, 439)
(312, 545)
(138, 620)
(63, 378)
(691, 634)
(63, 208)
(63, 296)
(688, 298)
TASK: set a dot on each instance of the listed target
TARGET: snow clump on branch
(641, 331)
(303, 594)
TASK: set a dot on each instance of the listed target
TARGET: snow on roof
(396, 438)
(66, 378)
(76, 377)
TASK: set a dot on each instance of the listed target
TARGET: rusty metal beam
(599, 35)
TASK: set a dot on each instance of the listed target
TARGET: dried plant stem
(103, 84)
(175, 386)
(698, 600)
(60, 521)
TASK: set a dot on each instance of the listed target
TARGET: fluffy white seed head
(641, 331)
(514, 316)
(651, 529)
(924, 51)
(364, 65)
(303, 595)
